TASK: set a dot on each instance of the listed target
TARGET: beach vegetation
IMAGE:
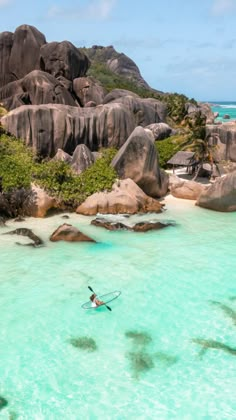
(168, 147)
(19, 167)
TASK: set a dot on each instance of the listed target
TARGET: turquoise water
(168, 281)
(224, 108)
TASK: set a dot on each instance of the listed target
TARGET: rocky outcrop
(38, 203)
(36, 88)
(48, 128)
(87, 90)
(125, 198)
(6, 42)
(137, 159)
(36, 241)
(161, 130)
(24, 58)
(223, 137)
(118, 93)
(119, 63)
(220, 196)
(43, 88)
(62, 156)
(144, 226)
(189, 190)
(200, 109)
(69, 233)
(82, 158)
(145, 111)
(63, 59)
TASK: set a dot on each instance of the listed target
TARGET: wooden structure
(184, 159)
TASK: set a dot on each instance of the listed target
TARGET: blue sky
(184, 46)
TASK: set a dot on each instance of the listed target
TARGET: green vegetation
(168, 147)
(18, 168)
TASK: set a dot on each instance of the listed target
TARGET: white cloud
(4, 2)
(94, 10)
(221, 7)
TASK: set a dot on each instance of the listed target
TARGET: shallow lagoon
(144, 363)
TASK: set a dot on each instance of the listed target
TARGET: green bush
(18, 168)
(168, 147)
(16, 162)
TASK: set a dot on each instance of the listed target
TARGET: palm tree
(203, 152)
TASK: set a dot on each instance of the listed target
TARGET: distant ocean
(224, 108)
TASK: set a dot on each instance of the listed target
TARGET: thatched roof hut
(183, 159)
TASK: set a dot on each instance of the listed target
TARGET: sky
(183, 46)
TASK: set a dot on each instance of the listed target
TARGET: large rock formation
(119, 63)
(63, 59)
(189, 190)
(146, 111)
(88, 89)
(161, 130)
(137, 159)
(125, 197)
(223, 137)
(220, 196)
(27, 51)
(6, 42)
(48, 128)
(24, 58)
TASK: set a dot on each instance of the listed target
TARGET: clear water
(224, 108)
(168, 281)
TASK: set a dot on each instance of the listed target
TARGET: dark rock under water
(84, 343)
(26, 232)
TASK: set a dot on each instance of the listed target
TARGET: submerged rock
(138, 227)
(227, 310)
(212, 344)
(3, 402)
(84, 343)
(140, 362)
(26, 232)
(69, 233)
(139, 337)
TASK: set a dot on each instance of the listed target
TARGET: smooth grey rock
(24, 57)
(220, 196)
(118, 93)
(161, 130)
(119, 63)
(87, 89)
(63, 59)
(45, 89)
(145, 111)
(137, 159)
(50, 127)
(82, 158)
(62, 156)
(223, 137)
(6, 42)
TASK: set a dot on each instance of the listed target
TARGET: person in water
(95, 301)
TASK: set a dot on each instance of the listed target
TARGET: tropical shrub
(168, 147)
(19, 167)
